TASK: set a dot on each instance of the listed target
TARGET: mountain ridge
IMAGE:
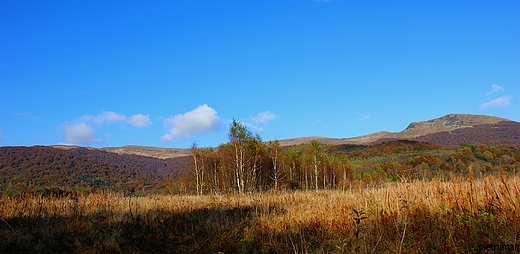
(414, 130)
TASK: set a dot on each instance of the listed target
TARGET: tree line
(246, 164)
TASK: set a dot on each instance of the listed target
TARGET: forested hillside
(83, 169)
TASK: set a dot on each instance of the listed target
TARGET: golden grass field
(439, 216)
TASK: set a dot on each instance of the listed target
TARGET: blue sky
(168, 73)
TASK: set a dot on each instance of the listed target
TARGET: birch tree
(239, 136)
(197, 165)
(316, 155)
(276, 154)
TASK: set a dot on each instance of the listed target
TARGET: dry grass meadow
(439, 216)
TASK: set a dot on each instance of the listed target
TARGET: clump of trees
(247, 164)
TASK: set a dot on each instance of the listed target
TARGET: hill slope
(38, 166)
(450, 130)
(447, 123)
(502, 133)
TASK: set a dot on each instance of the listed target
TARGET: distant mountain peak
(447, 123)
(444, 124)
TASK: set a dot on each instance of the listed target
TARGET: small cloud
(80, 133)
(494, 88)
(197, 121)
(108, 117)
(139, 120)
(1, 137)
(263, 117)
(500, 102)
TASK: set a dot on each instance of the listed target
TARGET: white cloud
(1, 137)
(264, 117)
(139, 120)
(253, 127)
(199, 120)
(494, 88)
(80, 133)
(108, 117)
(501, 102)
(254, 122)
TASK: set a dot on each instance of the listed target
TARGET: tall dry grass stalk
(459, 215)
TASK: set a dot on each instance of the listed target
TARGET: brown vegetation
(28, 169)
(503, 133)
(437, 216)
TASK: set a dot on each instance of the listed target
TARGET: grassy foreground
(457, 216)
